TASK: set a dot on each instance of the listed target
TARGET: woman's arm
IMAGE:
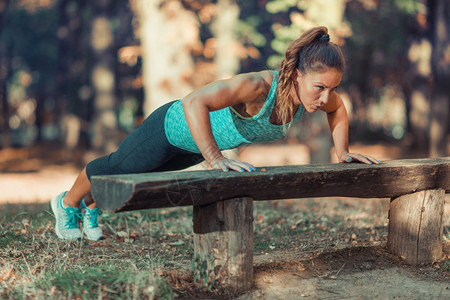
(244, 88)
(338, 122)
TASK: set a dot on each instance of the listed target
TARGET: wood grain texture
(416, 227)
(154, 190)
(225, 230)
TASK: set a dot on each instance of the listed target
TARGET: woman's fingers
(239, 166)
(373, 160)
(235, 165)
(355, 157)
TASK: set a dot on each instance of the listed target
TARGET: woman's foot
(91, 229)
(67, 219)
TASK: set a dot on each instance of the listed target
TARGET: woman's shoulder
(265, 76)
(262, 79)
(245, 87)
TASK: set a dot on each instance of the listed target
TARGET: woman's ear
(296, 74)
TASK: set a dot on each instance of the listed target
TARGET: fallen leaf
(122, 234)
(7, 274)
(268, 280)
(301, 268)
(259, 218)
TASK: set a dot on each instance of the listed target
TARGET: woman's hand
(355, 157)
(226, 164)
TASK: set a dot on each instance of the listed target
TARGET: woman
(252, 107)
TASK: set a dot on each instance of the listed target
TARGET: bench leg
(415, 226)
(223, 243)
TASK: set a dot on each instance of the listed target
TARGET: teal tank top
(229, 128)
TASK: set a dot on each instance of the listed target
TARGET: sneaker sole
(92, 238)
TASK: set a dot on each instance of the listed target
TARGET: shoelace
(92, 216)
(73, 215)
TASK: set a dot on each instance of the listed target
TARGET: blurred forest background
(82, 74)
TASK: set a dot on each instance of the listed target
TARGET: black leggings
(146, 149)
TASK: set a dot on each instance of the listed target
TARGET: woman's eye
(319, 88)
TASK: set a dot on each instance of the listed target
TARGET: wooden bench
(223, 204)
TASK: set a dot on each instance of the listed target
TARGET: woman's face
(315, 89)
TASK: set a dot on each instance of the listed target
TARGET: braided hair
(312, 51)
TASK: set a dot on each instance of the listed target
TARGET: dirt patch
(360, 272)
(350, 273)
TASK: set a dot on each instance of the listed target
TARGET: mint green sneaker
(67, 219)
(91, 229)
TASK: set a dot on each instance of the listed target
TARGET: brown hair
(312, 51)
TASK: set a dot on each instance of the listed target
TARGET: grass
(148, 254)
(96, 282)
(127, 264)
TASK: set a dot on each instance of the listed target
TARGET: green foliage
(284, 32)
(284, 35)
(247, 33)
(277, 6)
(410, 7)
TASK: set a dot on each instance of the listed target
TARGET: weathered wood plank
(223, 241)
(386, 180)
(416, 227)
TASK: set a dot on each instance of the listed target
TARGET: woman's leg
(144, 150)
(66, 205)
(82, 186)
(180, 161)
(80, 189)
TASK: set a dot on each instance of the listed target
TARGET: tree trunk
(439, 124)
(419, 117)
(104, 137)
(5, 71)
(226, 47)
(168, 32)
(63, 67)
(4, 104)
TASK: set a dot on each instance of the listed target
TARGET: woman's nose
(324, 97)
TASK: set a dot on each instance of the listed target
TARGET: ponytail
(312, 51)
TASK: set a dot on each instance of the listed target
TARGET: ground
(359, 272)
(329, 265)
